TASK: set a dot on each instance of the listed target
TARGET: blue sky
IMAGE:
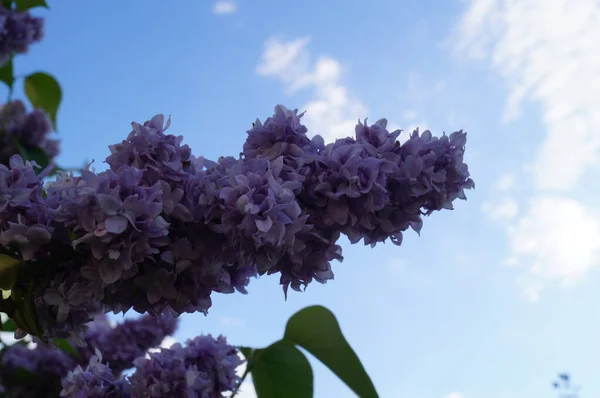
(495, 297)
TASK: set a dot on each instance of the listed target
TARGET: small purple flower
(31, 130)
(95, 381)
(18, 30)
(164, 374)
(45, 364)
(121, 345)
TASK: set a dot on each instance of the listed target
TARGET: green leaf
(7, 74)
(9, 268)
(7, 4)
(24, 5)
(9, 326)
(43, 91)
(33, 154)
(317, 331)
(281, 371)
(66, 346)
(247, 352)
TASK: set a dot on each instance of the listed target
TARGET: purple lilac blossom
(18, 30)
(204, 368)
(94, 381)
(31, 130)
(131, 339)
(162, 229)
(23, 213)
(46, 364)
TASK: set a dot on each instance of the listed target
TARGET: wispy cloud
(231, 322)
(546, 52)
(454, 395)
(333, 111)
(225, 7)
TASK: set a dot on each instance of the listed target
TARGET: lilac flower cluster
(162, 229)
(29, 130)
(131, 339)
(204, 368)
(18, 30)
(95, 381)
(120, 346)
(24, 223)
(45, 364)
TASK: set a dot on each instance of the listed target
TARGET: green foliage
(66, 346)
(281, 370)
(317, 331)
(9, 326)
(24, 5)
(9, 269)
(6, 3)
(44, 92)
(7, 73)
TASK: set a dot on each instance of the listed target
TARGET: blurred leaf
(44, 92)
(247, 352)
(9, 326)
(24, 5)
(9, 268)
(23, 375)
(33, 154)
(7, 74)
(66, 346)
(317, 331)
(281, 371)
(7, 3)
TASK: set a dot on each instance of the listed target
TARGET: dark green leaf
(44, 92)
(33, 154)
(317, 331)
(9, 268)
(7, 4)
(247, 352)
(23, 375)
(24, 5)
(9, 326)
(7, 74)
(281, 371)
(67, 347)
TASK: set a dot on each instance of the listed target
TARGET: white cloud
(546, 51)
(558, 240)
(505, 183)
(231, 322)
(224, 7)
(502, 211)
(333, 111)
(454, 395)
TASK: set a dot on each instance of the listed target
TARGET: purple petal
(109, 204)
(116, 224)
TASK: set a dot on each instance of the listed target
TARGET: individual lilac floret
(121, 345)
(46, 365)
(95, 381)
(31, 130)
(18, 30)
(204, 368)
